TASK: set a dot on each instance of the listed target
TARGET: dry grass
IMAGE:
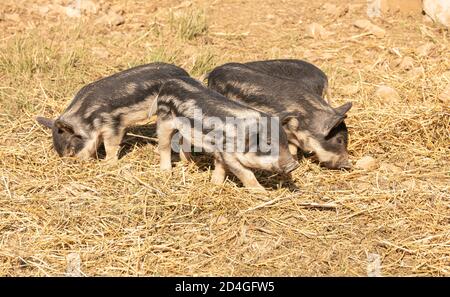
(128, 219)
(188, 25)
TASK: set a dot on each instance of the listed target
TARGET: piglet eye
(340, 140)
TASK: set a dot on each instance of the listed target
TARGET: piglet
(101, 111)
(310, 123)
(239, 137)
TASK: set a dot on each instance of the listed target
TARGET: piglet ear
(64, 126)
(46, 122)
(331, 123)
(343, 109)
(335, 119)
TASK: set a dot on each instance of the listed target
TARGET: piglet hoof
(166, 169)
(217, 180)
(112, 160)
(257, 189)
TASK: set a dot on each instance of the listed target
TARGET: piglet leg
(246, 176)
(165, 130)
(218, 175)
(112, 145)
(185, 150)
(293, 150)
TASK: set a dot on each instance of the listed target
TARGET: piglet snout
(345, 165)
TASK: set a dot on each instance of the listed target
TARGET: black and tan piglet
(102, 110)
(209, 121)
(311, 124)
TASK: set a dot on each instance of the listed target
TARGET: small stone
(72, 12)
(408, 184)
(308, 54)
(326, 56)
(221, 220)
(387, 94)
(371, 28)
(100, 52)
(88, 6)
(395, 51)
(317, 31)
(349, 90)
(416, 71)
(362, 24)
(367, 163)
(355, 8)
(445, 95)
(424, 50)
(111, 19)
(342, 11)
(12, 17)
(396, 62)
(43, 10)
(184, 4)
(119, 9)
(377, 31)
(55, 9)
(390, 168)
(330, 8)
(368, 68)
(407, 63)
(348, 60)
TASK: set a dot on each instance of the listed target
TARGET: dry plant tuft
(203, 62)
(189, 24)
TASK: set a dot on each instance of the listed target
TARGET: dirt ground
(128, 219)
